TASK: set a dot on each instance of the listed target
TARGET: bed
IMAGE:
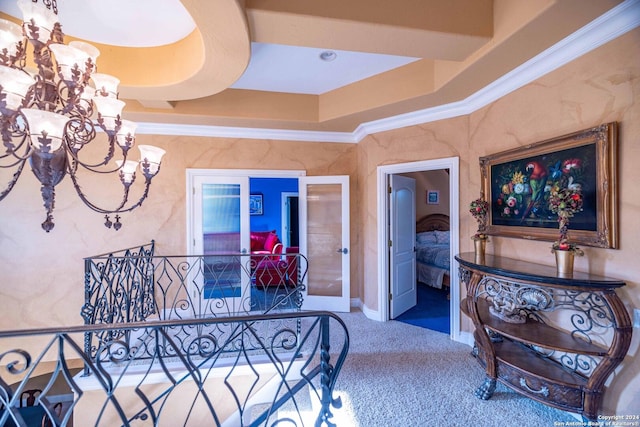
(432, 251)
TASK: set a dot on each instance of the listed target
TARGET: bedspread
(432, 264)
(435, 255)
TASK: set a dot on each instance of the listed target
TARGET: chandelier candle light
(48, 116)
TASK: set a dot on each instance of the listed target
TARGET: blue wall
(271, 190)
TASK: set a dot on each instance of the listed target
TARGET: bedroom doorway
(447, 200)
(430, 245)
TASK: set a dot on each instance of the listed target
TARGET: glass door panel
(221, 234)
(324, 240)
(324, 216)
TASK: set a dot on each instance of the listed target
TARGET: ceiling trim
(243, 132)
(611, 25)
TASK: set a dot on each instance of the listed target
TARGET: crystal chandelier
(49, 115)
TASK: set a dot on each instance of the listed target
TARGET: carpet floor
(431, 312)
(400, 375)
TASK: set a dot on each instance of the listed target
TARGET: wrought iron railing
(268, 381)
(136, 285)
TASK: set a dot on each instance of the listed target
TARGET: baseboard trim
(465, 337)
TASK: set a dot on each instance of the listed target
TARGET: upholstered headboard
(433, 222)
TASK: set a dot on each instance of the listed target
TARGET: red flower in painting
(570, 164)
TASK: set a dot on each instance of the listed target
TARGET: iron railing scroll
(137, 285)
(242, 379)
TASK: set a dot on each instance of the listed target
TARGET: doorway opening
(276, 216)
(290, 222)
(384, 220)
(430, 245)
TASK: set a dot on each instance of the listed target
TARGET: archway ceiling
(255, 63)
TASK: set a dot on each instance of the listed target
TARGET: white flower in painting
(518, 188)
(573, 186)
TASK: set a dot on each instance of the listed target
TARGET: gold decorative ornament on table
(479, 209)
(565, 202)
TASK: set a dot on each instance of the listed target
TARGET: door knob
(344, 251)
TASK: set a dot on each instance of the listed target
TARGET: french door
(218, 205)
(221, 226)
(324, 240)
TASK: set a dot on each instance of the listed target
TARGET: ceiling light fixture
(48, 117)
(328, 55)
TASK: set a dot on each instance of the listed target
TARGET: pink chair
(265, 243)
(279, 271)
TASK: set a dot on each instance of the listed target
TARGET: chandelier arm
(11, 129)
(17, 161)
(121, 208)
(9, 132)
(14, 179)
(18, 158)
(147, 184)
(13, 151)
(71, 144)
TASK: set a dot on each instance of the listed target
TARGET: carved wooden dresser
(551, 338)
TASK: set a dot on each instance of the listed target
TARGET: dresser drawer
(563, 396)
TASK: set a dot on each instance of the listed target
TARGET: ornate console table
(553, 339)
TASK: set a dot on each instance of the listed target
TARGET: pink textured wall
(599, 87)
(42, 275)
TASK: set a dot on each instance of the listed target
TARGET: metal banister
(124, 383)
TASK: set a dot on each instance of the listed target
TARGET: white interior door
(221, 226)
(324, 240)
(402, 250)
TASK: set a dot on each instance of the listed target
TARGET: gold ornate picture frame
(517, 183)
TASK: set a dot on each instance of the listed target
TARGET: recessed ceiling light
(328, 55)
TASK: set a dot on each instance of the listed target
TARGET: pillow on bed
(426, 238)
(442, 237)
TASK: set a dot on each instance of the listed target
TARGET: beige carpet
(399, 375)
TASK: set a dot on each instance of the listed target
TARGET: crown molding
(245, 133)
(611, 25)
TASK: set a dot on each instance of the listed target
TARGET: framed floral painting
(517, 184)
